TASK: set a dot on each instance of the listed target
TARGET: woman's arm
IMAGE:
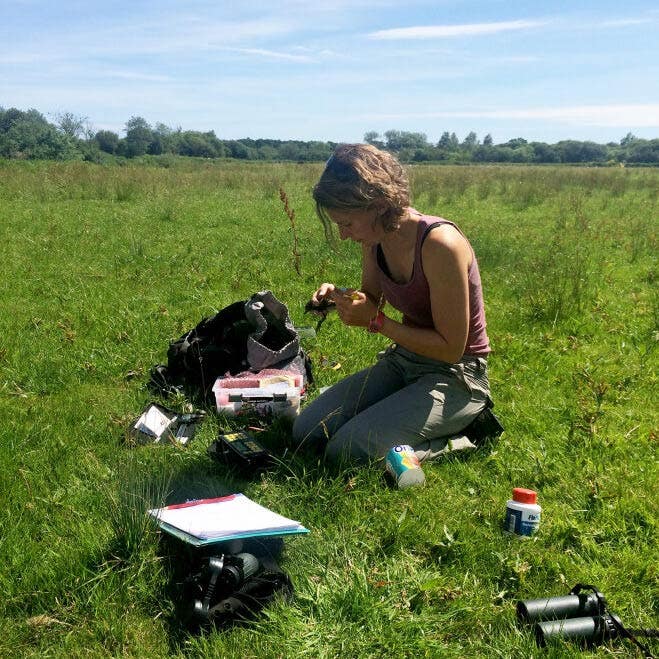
(446, 258)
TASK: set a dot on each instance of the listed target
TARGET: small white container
(522, 512)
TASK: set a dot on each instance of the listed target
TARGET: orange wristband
(375, 324)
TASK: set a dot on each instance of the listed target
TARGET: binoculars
(578, 616)
(212, 590)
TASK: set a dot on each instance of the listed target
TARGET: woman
(432, 381)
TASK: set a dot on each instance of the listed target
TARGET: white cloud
(135, 75)
(170, 35)
(625, 22)
(271, 54)
(646, 115)
(22, 58)
(639, 115)
(445, 31)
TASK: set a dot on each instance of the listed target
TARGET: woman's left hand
(354, 307)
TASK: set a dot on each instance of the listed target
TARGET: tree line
(29, 135)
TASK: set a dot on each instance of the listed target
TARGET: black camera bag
(211, 599)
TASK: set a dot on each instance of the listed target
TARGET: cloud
(625, 22)
(13, 59)
(448, 31)
(136, 75)
(171, 35)
(638, 115)
(272, 54)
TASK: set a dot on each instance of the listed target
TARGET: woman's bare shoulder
(446, 240)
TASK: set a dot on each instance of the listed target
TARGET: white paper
(153, 422)
(226, 517)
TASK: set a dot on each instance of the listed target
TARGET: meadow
(102, 266)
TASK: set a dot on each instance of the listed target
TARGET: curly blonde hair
(355, 177)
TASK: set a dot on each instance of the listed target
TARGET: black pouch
(485, 427)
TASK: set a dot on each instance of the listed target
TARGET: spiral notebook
(206, 521)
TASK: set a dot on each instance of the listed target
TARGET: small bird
(323, 308)
(320, 310)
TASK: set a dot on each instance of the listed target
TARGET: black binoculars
(212, 590)
(578, 616)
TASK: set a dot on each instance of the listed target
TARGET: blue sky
(335, 69)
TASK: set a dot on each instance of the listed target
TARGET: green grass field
(102, 267)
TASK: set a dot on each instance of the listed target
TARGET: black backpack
(249, 334)
(216, 345)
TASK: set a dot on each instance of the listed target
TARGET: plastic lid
(522, 495)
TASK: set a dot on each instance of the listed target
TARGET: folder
(206, 521)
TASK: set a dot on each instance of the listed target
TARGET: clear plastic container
(274, 399)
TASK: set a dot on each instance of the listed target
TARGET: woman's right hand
(325, 292)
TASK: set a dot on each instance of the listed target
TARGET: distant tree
(29, 135)
(9, 117)
(484, 153)
(644, 151)
(218, 147)
(156, 146)
(394, 140)
(405, 155)
(523, 153)
(138, 137)
(444, 140)
(237, 149)
(163, 130)
(422, 155)
(373, 138)
(267, 152)
(291, 151)
(193, 143)
(503, 153)
(72, 125)
(470, 142)
(515, 143)
(166, 138)
(318, 151)
(107, 141)
(398, 140)
(448, 142)
(544, 153)
(628, 139)
(574, 151)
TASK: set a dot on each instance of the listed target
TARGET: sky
(333, 70)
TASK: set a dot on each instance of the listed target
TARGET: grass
(102, 266)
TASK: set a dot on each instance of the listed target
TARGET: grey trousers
(403, 398)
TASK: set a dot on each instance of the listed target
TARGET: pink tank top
(413, 297)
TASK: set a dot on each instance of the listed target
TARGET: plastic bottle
(522, 512)
(404, 467)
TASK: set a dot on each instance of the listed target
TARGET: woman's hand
(354, 307)
(325, 292)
